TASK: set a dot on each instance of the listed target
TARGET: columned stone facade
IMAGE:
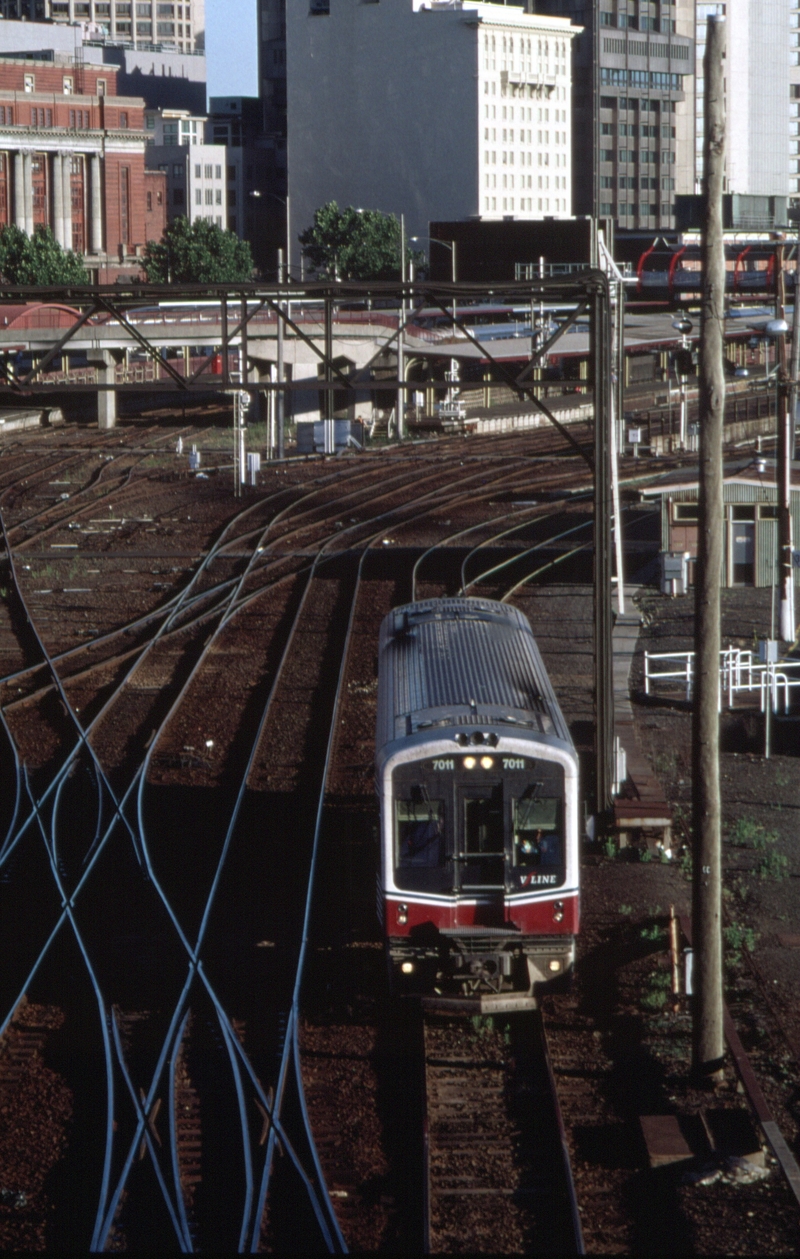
(64, 180)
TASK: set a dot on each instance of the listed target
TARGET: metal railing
(740, 673)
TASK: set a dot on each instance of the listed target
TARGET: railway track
(196, 1006)
(495, 1162)
(149, 1069)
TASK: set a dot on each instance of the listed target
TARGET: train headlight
(470, 762)
(554, 965)
(487, 762)
(402, 914)
(558, 911)
(407, 968)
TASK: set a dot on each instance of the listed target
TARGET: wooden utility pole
(708, 1042)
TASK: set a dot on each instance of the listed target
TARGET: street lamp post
(283, 260)
(777, 330)
(684, 326)
(452, 374)
(401, 362)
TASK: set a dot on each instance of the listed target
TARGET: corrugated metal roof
(461, 661)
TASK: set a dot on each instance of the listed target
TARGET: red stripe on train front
(527, 918)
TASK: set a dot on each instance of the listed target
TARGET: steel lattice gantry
(113, 318)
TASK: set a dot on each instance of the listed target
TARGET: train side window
(420, 833)
(538, 832)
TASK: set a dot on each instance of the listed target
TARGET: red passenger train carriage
(478, 785)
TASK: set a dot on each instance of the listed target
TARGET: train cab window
(483, 839)
(420, 833)
(538, 838)
(421, 859)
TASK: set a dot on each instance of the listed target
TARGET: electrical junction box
(674, 572)
(768, 650)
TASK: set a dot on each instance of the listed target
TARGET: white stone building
(442, 110)
(198, 174)
(762, 47)
(141, 23)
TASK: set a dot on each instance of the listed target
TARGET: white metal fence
(740, 673)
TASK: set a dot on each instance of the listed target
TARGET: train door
(480, 839)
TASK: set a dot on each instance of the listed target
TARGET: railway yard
(198, 1048)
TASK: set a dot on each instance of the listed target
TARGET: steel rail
(53, 860)
(577, 497)
(575, 1213)
(142, 777)
(498, 568)
(462, 533)
(179, 1222)
(164, 608)
(18, 779)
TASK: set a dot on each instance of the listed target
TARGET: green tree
(197, 253)
(354, 244)
(38, 259)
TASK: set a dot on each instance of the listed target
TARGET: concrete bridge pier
(106, 362)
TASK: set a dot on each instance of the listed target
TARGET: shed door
(743, 546)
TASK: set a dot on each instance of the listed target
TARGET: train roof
(466, 662)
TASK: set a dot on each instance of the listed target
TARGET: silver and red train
(478, 783)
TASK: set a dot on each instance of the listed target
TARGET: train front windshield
(471, 824)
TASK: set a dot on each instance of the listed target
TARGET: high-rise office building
(434, 110)
(762, 79)
(632, 62)
(141, 23)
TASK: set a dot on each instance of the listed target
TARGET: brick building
(72, 157)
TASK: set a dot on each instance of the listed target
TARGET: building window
(177, 170)
(231, 174)
(149, 203)
(29, 83)
(124, 204)
(197, 171)
(209, 172)
(218, 172)
(101, 87)
(232, 222)
(177, 196)
(218, 196)
(123, 120)
(68, 86)
(219, 220)
(231, 196)
(198, 196)
(209, 196)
